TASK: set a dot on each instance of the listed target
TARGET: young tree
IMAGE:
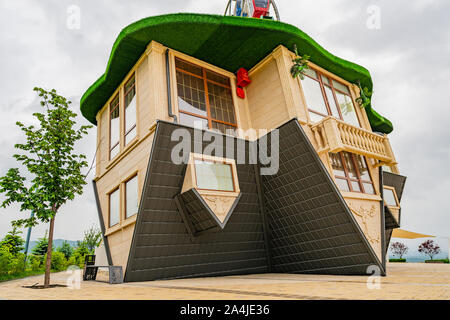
(14, 241)
(429, 248)
(41, 247)
(55, 170)
(399, 249)
(66, 249)
(79, 254)
(81, 249)
(92, 238)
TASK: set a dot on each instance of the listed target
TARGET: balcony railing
(333, 135)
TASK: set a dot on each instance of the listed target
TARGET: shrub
(14, 241)
(397, 260)
(82, 249)
(17, 264)
(77, 259)
(59, 262)
(5, 260)
(437, 261)
(66, 248)
(41, 247)
(79, 254)
(35, 262)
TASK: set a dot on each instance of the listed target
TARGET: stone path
(404, 281)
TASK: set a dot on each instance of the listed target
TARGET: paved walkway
(404, 281)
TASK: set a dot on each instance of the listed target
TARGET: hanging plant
(300, 65)
(363, 100)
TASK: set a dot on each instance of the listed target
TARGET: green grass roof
(227, 42)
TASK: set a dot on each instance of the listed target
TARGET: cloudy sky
(408, 57)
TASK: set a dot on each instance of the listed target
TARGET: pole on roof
(275, 8)
(228, 7)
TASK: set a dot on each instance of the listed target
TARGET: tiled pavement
(404, 281)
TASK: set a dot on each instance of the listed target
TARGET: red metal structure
(261, 8)
(253, 9)
(242, 78)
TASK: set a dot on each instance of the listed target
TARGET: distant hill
(56, 243)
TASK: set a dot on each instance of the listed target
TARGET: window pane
(313, 95)
(224, 128)
(217, 78)
(350, 165)
(130, 115)
(311, 73)
(191, 94)
(189, 67)
(131, 190)
(130, 136)
(332, 102)
(325, 80)
(214, 176)
(362, 167)
(356, 186)
(315, 117)
(351, 173)
(336, 163)
(221, 103)
(115, 124)
(389, 198)
(115, 127)
(191, 121)
(341, 87)
(342, 184)
(261, 3)
(347, 109)
(193, 101)
(114, 208)
(368, 188)
(114, 151)
(130, 91)
(130, 106)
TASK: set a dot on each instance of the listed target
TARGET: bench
(115, 273)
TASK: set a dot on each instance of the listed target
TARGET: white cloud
(408, 59)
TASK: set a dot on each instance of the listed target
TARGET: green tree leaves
(65, 249)
(364, 99)
(13, 241)
(300, 65)
(92, 238)
(48, 156)
(41, 247)
(55, 169)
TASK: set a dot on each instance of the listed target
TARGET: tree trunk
(49, 254)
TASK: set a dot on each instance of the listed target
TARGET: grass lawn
(21, 275)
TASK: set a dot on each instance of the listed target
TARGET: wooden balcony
(333, 135)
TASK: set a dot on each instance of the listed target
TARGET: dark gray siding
(388, 238)
(295, 221)
(162, 247)
(390, 221)
(311, 228)
(197, 216)
(395, 180)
